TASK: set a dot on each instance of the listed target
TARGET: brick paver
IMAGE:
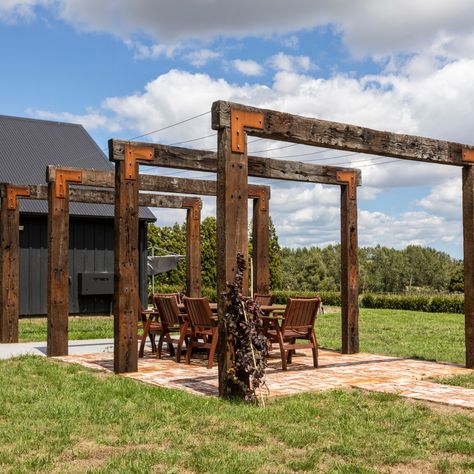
(406, 377)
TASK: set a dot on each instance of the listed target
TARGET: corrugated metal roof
(27, 146)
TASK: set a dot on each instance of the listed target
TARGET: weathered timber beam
(341, 136)
(106, 196)
(90, 177)
(259, 167)
(36, 191)
(164, 184)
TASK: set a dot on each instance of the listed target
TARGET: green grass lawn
(431, 336)
(80, 327)
(64, 418)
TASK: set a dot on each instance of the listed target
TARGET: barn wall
(91, 246)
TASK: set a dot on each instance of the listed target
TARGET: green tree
(276, 268)
(456, 282)
(169, 240)
(208, 252)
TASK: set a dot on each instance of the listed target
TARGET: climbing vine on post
(250, 347)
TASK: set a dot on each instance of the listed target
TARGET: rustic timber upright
(233, 122)
(9, 260)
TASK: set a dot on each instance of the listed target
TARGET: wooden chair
(298, 323)
(157, 295)
(266, 300)
(151, 325)
(171, 320)
(201, 325)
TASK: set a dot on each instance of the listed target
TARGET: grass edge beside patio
(67, 418)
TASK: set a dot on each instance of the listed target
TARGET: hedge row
(329, 298)
(425, 303)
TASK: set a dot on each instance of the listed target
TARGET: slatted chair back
(300, 314)
(168, 308)
(157, 295)
(199, 311)
(261, 299)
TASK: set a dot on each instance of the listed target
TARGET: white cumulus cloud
(248, 67)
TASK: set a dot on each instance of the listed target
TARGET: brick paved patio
(406, 377)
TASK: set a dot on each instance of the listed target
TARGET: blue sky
(123, 68)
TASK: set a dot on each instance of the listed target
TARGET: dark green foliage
(311, 269)
(208, 252)
(276, 261)
(425, 303)
(328, 298)
(381, 269)
(171, 240)
(456, 282)
(211, 293)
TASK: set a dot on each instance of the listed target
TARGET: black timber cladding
(27, 146)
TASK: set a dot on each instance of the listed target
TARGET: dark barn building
(27, 146)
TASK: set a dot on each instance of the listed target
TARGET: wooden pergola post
(126, 299)
(468, 231)
(193, 252)
(349, 265)
(58, 271)
(261, 243)
(232, 226)
(10, 262)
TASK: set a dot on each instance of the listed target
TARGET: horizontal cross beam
(107, 196)
(342, 136)
(201, 160)
(164, 184)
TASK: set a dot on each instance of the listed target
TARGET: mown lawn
(433, 336)
(64, 418)
(430, 336)
(80, 327)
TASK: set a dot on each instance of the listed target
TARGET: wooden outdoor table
(272, 307)
(147, 315)
(213, 307)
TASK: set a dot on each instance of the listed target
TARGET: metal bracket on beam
(195, 205)
(131, 155)
(349, 178)
(467, 154)
(260, 194)
(63, 177)
(240, 119)
(13, 192)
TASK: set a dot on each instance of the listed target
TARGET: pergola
(58, 195)
(59, 216)
(128, 155)
(234, 121)
(100, 190)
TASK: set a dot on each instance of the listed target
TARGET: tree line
(381, 269)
